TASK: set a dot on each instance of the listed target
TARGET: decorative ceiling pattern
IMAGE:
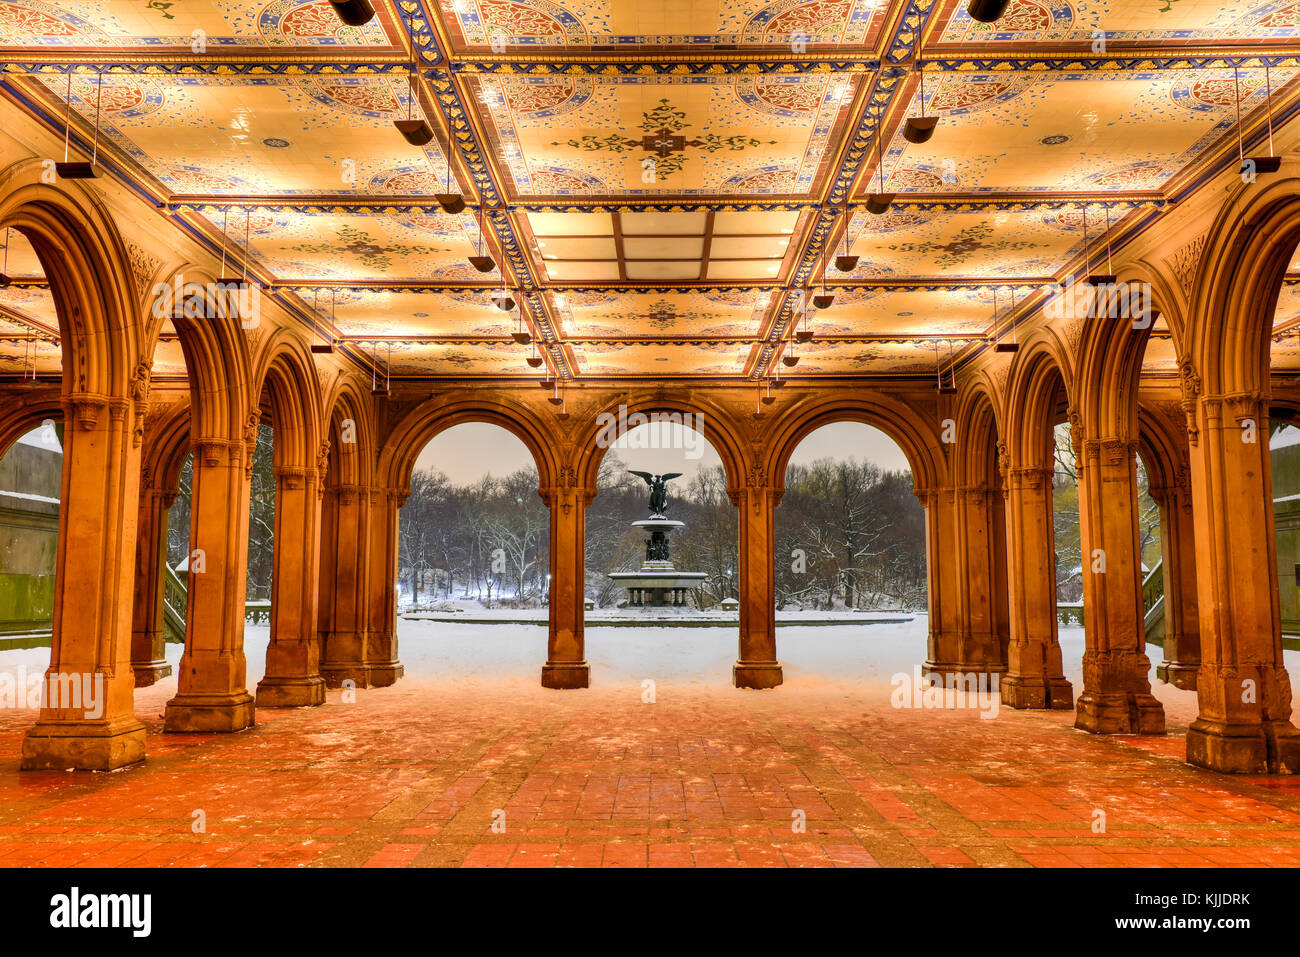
(658, 189)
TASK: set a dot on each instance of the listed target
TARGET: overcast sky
(465, 453)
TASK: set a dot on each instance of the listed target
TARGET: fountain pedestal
(657, 584)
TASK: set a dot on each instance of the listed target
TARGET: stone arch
(354, 465)
(710, 419)
(1040, 378)
(88, 269)
(920, 442)
(1111, 354)
(27, 411)
(286, 376)
(979, 432)
(419, 426)
(216, 364)
(1237, 281)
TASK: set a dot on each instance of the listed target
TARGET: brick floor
(501, 773)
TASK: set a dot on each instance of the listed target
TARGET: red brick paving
(818, 776)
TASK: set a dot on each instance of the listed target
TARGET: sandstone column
(343, 586)
(148, 646)
(1034, 677)
(1116, 697)
(86, 719)
(212, 692)
(981, 580)
(756, 666)
(1182, 649)
(566, 665)
(1243, 689)
(293, 656)
(381, 613)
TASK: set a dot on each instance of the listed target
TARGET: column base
(566, 674)
(1037, 693)
(291, 692)
(335, 675)
(150, 672)
(1269, 748)
(383, 675)
(759, 675)
(1119, 713)
(1179, 675)
(209, 713)
(83, 746)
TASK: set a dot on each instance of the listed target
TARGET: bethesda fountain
(657, 584)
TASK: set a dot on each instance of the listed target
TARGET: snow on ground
(849, 658)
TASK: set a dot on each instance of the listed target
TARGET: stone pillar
(381, 613)
(1116, 697)
(566, 664)
(86, 719)
(1034, 677)
(293, 678)
(1182, 649)
(212, 693)
(944, 569)
(344, 550)
(1243, 689)
(756, 666)
(980, 553)
(148, 645)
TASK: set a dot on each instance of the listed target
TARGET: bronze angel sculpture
(658, 489)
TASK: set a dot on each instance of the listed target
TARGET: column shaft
(212, 693)
(756, 666)
(1116, 696)
(293, 676)
(1034, 676)
(345, 547)
(86, 719)
(566, 664)
(381, 613)
(148, 645)
(1243, 689)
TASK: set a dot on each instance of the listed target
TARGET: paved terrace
(707, 775)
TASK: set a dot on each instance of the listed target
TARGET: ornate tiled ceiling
(659, 185)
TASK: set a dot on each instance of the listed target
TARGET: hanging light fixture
(415, 129)
(535, 360)
(878, 203)
(355, 13)
(378, 387)
(450, 201)
(919, 129)
(788, 358)
(844, 262)
(520, 335)
(1108, 277)
(1256, 164)
(555, 398)
(951, 387)
(804, 334)
(987, 11)
(824, 300)
(80, 169)
(326, 347)
(481, 262)
(502, 299)
(1013, 345)
(768, 398)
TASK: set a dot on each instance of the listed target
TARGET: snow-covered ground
(848, 657)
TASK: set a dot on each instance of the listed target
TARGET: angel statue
(658, 489)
